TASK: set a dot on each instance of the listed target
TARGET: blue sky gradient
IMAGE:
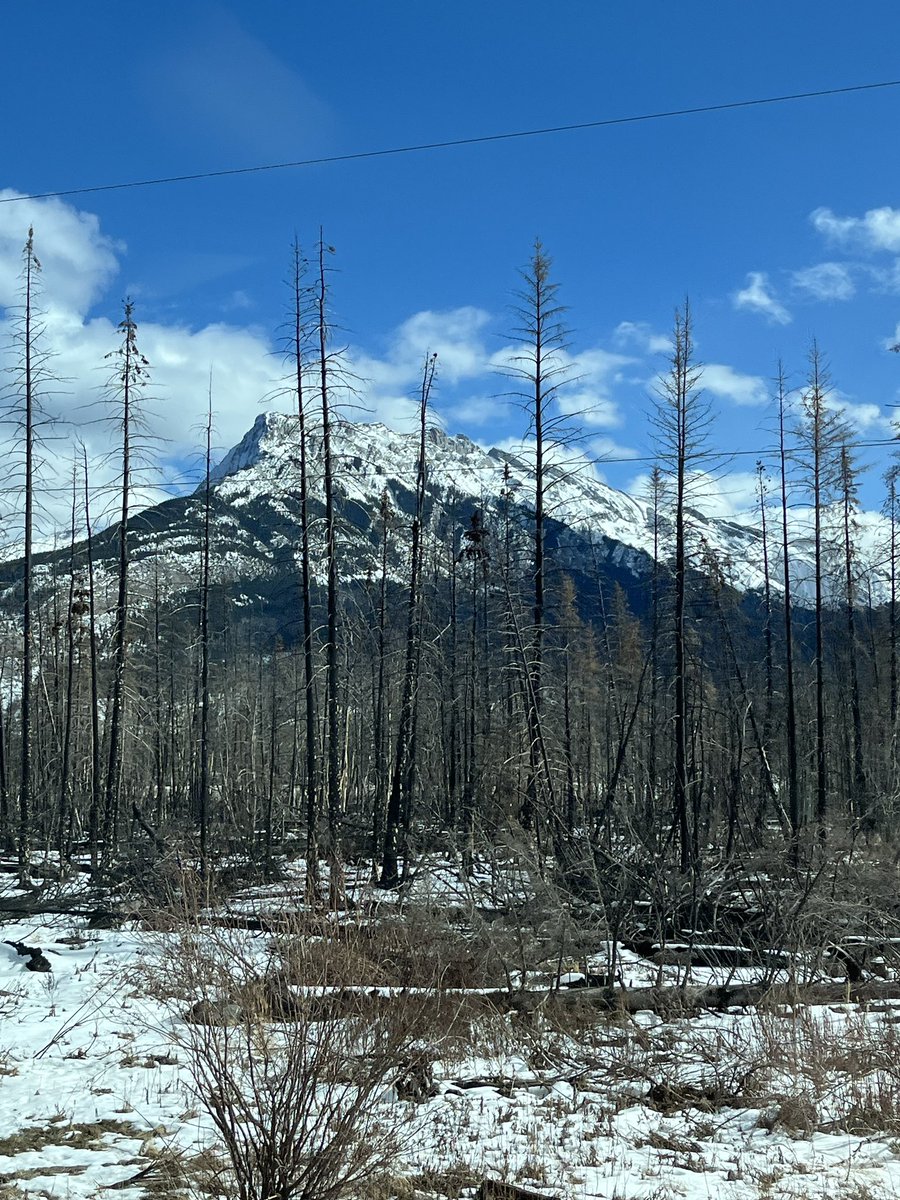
(782, 223)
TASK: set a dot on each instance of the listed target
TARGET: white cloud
(571, 459)
(884, 278)
(589, 400)
(729, 495)
(586, 381)
(590, 408)
(639, 333)
(758, 297)
(455, 335)
(864, 419)
(746, 391)
(78, 261)
(825, 281)
(640, 486)
(398, 412)
(238, 300)
(607, 448)
(476, 410)
(877, 229)
(389, 383)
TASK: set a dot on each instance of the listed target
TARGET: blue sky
(782, 223)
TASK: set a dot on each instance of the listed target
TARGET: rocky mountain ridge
(593, 530)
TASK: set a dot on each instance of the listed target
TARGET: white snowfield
(96, 1091)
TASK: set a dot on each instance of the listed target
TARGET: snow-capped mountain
(593, 530)
(591, 524)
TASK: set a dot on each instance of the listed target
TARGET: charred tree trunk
(400, 798)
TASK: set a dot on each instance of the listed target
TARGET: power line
(477, 140)
(761, 453)
(175, 482)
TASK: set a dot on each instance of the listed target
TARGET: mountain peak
(592, 522)
(247, 452)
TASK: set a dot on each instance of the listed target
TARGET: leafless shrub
(826, 1070)
(797, 1114)
(304, 1108)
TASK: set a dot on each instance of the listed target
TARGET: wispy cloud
(758, 297)
(607, 448)
(222, 87)
(825, 281)
(640, 335)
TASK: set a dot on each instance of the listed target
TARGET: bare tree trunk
(677, 418)
(454, 740)
(892, 611)
(475, 552)
(822, 432)
(859, 789)
(795, 811)
(64, 829)
(6, 833)
(769, 660)
(204, 747)
(399, 800)
(656, 493)
(269, 831)
(379, 782)
(96, 786)
(333, 761)
(29, 402)
(129, 376)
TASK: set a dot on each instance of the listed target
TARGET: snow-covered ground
(96, 1090)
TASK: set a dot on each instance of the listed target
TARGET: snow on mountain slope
(593, 522)
(255, 507)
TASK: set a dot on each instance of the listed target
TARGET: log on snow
(492, 1189)
(737, 995)
(687, 998)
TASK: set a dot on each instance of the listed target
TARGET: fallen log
(21, 906)
(738, 995)
(493, 1189)
(686, 999)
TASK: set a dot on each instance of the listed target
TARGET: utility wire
(763, 453)
(479, 140)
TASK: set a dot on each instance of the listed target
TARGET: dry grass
(828, 1070)
(80, 1136)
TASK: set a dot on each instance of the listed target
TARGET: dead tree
(129, 377)
(400, 798)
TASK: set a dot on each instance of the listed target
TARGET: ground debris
(37, 960)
